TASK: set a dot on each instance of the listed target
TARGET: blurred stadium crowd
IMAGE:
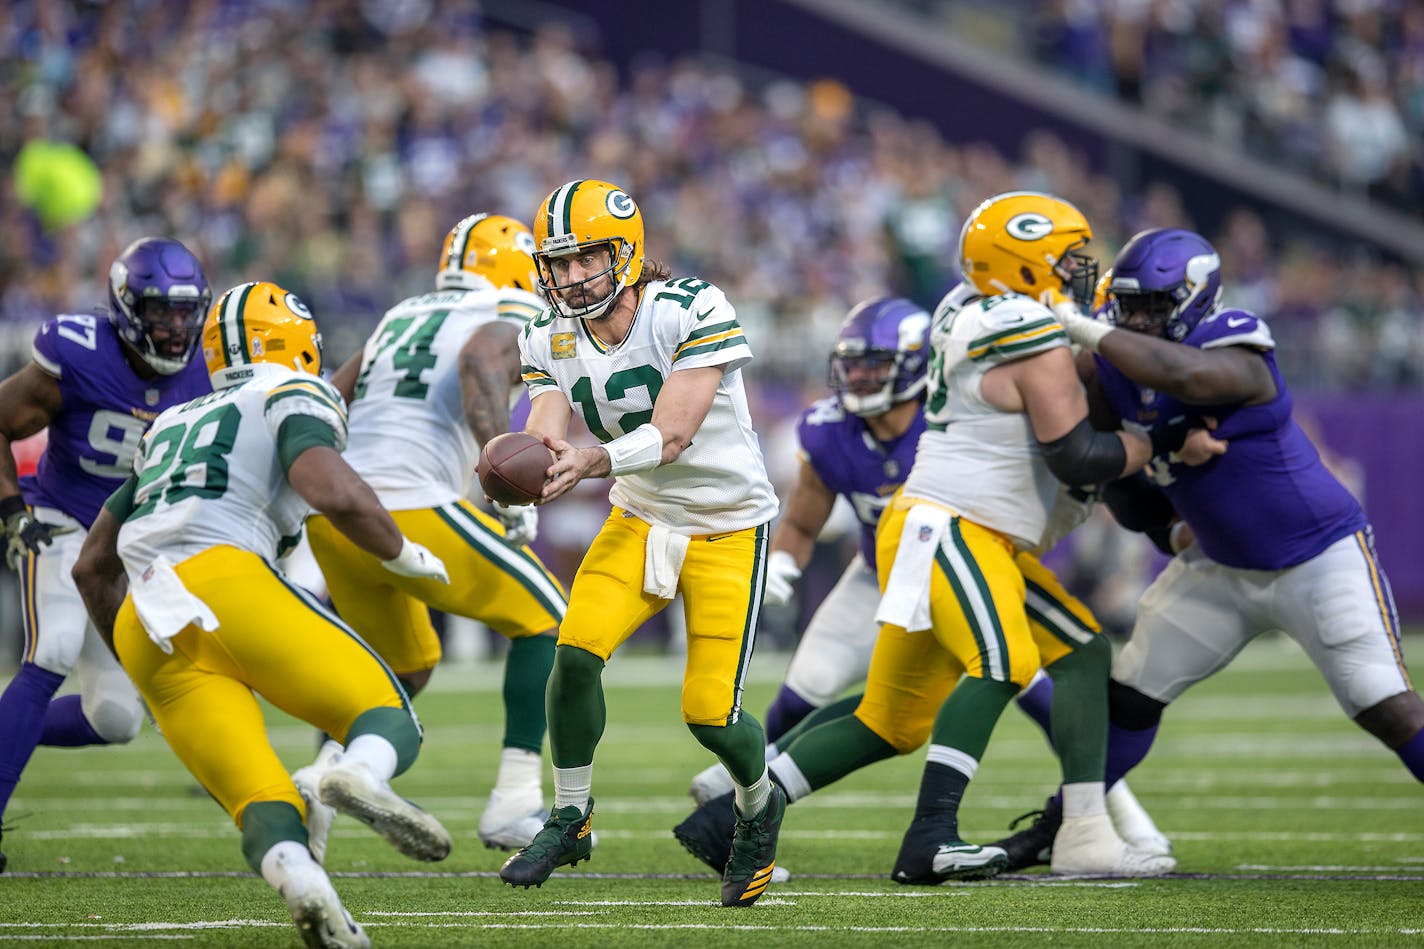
(329, 146)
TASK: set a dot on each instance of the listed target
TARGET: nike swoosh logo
(706, 313)
(1233, 322)
(712, 537)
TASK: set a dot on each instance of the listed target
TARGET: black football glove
(23, 533)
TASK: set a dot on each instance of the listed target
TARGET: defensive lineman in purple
(1279, 542)
(97, 382)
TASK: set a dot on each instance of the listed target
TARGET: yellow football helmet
(1025, 242)
(259, 323)
(492, 246)
(581, 216)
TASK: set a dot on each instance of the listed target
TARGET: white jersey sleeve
(719, 482)
(210, 473)
(974, 458)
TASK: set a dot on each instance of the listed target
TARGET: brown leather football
(511, 467)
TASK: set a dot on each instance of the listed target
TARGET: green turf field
(1292, 828)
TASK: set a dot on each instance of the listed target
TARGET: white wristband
(1087, 333)
(639, 450)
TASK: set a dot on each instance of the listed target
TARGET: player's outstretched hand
(521, 522)
(415, 561)
(24, 534)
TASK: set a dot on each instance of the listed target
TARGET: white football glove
(415, 561)
(521, 522)
(781, 575)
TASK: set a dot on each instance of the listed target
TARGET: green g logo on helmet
(620, 205)
(1029, 226)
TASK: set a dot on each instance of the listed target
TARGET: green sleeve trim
(121, 502)
(297, 433)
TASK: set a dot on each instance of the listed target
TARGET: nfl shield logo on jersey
(926, 533)
(561, 345)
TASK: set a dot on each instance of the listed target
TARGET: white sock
(751, 800)
(328, 752)
(1084, 799)
(375, 753)
(772, 751)
(573, 786)
(789, 776)
(283, 857)
(519, 770)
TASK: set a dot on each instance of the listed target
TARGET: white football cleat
(319, 816)
(351, 788)
(512, 818)
(1088, 846)
(711, 782)
(1134, 824)
(316, 909)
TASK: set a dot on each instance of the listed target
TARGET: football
(512, 466)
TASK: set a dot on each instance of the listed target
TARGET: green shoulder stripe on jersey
(534, 376)
(519, 310)
(316, 395)
(1016, 350)
(723, 341)
(704, 333)
(1016, 340)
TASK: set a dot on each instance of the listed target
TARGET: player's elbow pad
(1085, 456)
(1138, 504)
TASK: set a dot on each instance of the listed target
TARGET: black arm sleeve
(1085, 456)
(1138, 504)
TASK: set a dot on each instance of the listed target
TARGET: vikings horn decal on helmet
(490, 246)
(1165, 282)
(259, 323)
(582, 217)
(881, 355)
(157, 297)
(1027, 242)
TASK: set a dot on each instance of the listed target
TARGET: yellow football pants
(995, 614)
(506, 588)
(721, 585)
(273, 639)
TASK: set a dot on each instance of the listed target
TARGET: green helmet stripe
(233, 326)
(561, 207)
(460, 243)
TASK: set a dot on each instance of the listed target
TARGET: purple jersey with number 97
(106, 407)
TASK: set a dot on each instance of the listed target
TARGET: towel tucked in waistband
(906, 601)
(166, 607)
(662, 561)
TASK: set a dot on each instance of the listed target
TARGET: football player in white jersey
(653, 367)
(209, 623)
(432, 384)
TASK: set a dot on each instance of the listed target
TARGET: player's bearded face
(866, 375)
(586, 277)
(170, 326)
(1143, 312)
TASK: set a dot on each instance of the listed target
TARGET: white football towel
(166, 607)
(906, 602)
(662, 561)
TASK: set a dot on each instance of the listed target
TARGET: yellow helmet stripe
(460, 241)
(233, 325)
(561, 207)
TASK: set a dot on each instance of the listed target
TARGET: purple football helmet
(1164, 282)
(881, 355)
(158, 296)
